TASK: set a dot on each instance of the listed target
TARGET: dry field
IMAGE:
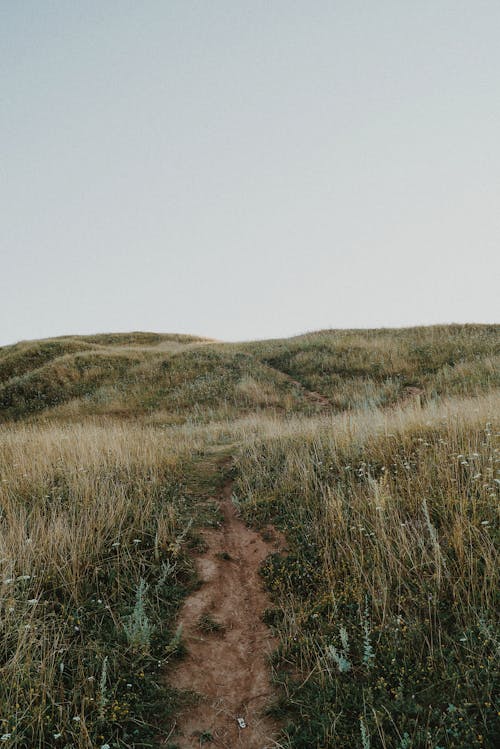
(374, 453)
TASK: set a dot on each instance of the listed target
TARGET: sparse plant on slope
(341, 657)
(138, 627)
(365, 736)
(103, 695)
(368, 652)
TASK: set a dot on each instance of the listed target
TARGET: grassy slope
(391, 522)
(188, 381)
(373, 368)
(140, 373)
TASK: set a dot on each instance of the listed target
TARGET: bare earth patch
(228, 645)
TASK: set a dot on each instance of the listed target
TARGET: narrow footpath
(228, 645)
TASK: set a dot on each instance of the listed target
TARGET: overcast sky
(244, 169)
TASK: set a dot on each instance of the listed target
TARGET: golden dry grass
(87, 511)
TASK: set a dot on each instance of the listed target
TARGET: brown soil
(229, 667)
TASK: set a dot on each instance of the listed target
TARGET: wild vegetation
(95, 524)
(174, 378)
(375, 452)
(386, 604)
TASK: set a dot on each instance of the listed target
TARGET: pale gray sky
(247, 169)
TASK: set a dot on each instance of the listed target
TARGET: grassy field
(386, 487)
(386, 604)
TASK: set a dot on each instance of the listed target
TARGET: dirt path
(227, 666)
(313, 397)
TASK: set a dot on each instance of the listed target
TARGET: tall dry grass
(87, 512)
(393, 526)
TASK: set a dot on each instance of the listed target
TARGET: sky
(247, 169)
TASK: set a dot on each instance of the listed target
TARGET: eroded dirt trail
(229, 667)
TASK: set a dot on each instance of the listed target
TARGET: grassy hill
(185, 377)
(376, 453)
